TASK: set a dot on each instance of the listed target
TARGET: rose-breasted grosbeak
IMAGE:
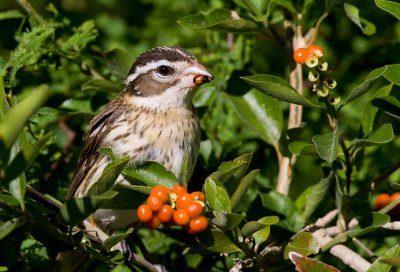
(152, 119)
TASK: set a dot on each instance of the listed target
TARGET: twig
(31, 10)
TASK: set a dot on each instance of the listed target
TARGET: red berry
(301, 55)
(144, 213)
(154, 203)
(194, 209)
(198, 224)
(181, 217)
(183, 201)
(153, 223)
(315, 50)
(382, 200)
(198, 196)
(165, 214)
(160, 192)
(178, 189)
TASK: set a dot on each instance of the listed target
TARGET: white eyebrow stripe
(144, 69)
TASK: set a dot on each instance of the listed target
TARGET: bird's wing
(93, 139)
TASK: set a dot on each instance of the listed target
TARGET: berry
(154, 203)
(183, 201)
(198, 196)
(160, 192)
(315, 50)
(301, 55)
(195, 209)
(382, 200)
(153, 223)
(198, 224)
(144, 213)
(181, 217)
(178, 189)
(165, 214)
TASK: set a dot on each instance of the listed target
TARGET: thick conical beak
(199, 74)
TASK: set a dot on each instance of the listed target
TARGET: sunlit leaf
(381, 136)
(101, 85)
(304, 243)
(119, 61)
(389, 104)
(244, 185)
(366, 26)
(389, 6)
(116, 238)
(380, 264)
(303, 148)
(369, 223)
(217, 197)
(11, 14)
(327, 145)
(7, 227)
(227, 221)
(307, 264)
(278, 88)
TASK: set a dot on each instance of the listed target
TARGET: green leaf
(366, 26)
(218, 19)
(389, 104)
(151, 174)
(379, 265)
(381, 136)
(227, 221)
(216, 240)
(308, 264)
(217, 196)
(108, 177)
(303, 148)
(101, 85)
(25, 158)
(7, 227)
(364, 87)
(389, 6)
(394, 261)
(327, 145)
(119, 61)
(244, 185)
(251, 227)
(367, 122)
(116, 238)
(284, 205)
(368, 224)
(278, 88)
(11, 14)
(15, 119)
(260, 113)
(83, 35)
(259, 229)
(17, 190)
(316, 195)
(77, 106)
(304, 243)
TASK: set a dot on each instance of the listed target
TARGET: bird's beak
(198, 74)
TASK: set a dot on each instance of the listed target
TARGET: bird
(152, 119)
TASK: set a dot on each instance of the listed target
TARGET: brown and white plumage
(152, 119)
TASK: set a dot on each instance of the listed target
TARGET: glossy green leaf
(151, 174)
(217, 196)
(116, 238)
(101, 85)
(381, 136)
(278, 88)
(379, 265)
(263, 234)
(216, 240)
(244, 185)
(392, 74)
(108, 177)
(327, 145)
(11, 14)
(7, 227)
(218, 19)
(260, 113)
(15, 119)
(316, 195)
(119, 61)
(366, 26)
(303, 148)
(367, 122)
(77, 106)
(10, 200)
(304, 243)
(389, 104)
(25, 158)
(284, 205)
(227, 221)
(391, 7)
(368, 224)
(364, 87)
(251, 227)
(307, 264)
(17, 190)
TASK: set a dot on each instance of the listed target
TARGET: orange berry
(144, 213)
(183, 201)
(181, 217)
(160, 192)
(153, 223)
(198, 224)
(154, 203)
(198, 196)
(194, 209)
(165, 214)
(394, 196)
(178, 189)
(315, 50)
(301, 55)
(382, 200)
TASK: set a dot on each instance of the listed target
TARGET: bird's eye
(164, 70)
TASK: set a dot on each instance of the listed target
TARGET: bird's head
(165, 76)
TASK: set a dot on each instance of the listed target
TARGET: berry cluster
(174, 206)
(318, 73)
